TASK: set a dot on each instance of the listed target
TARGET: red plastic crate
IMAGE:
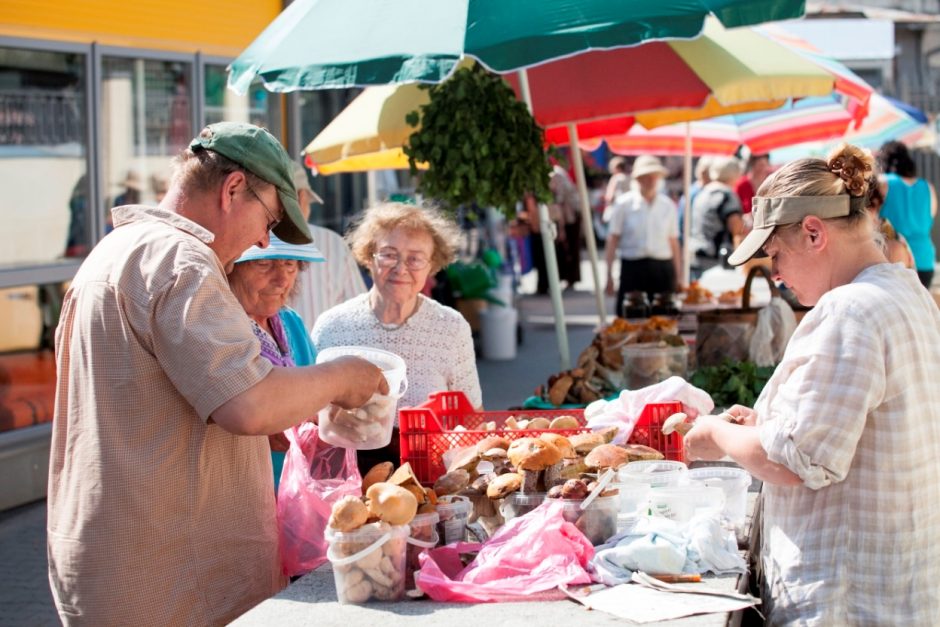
(427, 431)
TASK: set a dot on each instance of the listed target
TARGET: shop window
(146, 119)
(259, 106)
(43, 148)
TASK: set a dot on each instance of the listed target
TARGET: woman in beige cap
(846, 434)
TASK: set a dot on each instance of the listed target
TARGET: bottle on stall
(636, 305)
(664, 304)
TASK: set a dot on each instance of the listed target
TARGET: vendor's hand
(699, 442)
(743, 415)
(360, 379)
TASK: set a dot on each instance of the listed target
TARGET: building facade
(96, 97)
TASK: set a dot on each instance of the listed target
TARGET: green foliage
(481, 144)
(733, 382)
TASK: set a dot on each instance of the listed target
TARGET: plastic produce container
(423, 536)
(518, 504)
(369, 563)
(370, 426)
(453, 513)
(734, 482)
(648, 363)
(633, 496)
(656, 474)
(598, 522)
(680, 503)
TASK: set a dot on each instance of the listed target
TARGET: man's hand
(360, 378)
(609, 290)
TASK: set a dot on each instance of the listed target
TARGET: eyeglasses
(273, 220)
(390, 260)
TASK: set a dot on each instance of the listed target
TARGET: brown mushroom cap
(639, 452)
(533, 454)
(391, 503)
(503, 485)
(492, 441)
(348, 513)
(466, 459)
(607, 456)
(562, 443)
(379, 472)
(565, 422)
(585, 442)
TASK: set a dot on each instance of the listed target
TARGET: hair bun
(853, 166)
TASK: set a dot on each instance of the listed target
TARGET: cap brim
(278, 249)
(293, 228)
(751, 246)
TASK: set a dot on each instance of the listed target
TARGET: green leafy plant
(733, 382)
(481, 145)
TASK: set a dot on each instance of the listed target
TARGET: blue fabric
(907, 207)
(304, 354)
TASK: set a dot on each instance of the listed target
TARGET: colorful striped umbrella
(796, 122)
(888, 120)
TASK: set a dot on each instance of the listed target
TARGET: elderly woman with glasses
(846, 433)
(262, 280)
(402, 245)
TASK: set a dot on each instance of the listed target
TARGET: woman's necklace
(389, 327)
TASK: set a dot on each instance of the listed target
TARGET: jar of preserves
(636, 305)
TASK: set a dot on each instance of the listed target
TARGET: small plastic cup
(453, 512)
(656, 474)
(369, 563)
(683, 502)
(598, 522)
(370, 426)
(518, 504)
(423, 537)
(734, 482)
(633, 497)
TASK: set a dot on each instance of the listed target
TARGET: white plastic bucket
(681, 503)
(370, 426)
(655, 473)
(454, 512)
(369, 563)
(498, 332)
(734, 482)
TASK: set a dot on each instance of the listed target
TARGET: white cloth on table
(326, 284)
(435, 343)
(854, 410)
(660, 545)
(625, 410)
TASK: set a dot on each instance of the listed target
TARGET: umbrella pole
(547, 232)
(587, 219)
(687, 216)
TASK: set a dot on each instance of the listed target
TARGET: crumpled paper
(659, 545)
(625, 410)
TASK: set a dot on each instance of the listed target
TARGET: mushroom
(348, 513)
(607, 456)
(677, 423)
(379, 472)
(391, 503)
(452, 482)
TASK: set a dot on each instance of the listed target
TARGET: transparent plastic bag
(529, 555)
(315, 476)
(775, 324)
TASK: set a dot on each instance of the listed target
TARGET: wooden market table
(311, 600)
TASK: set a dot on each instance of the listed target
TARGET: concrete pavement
(25, 600)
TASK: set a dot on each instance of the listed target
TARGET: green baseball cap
(256, 150)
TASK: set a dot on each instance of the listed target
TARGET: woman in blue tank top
(910, 206)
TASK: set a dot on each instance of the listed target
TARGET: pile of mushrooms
(389, 499)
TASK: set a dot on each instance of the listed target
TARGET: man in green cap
(161, 505)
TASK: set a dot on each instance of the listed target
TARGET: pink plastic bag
(531, 554)
(315, 476)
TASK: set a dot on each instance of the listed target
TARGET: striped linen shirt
(854, 410)
(325, 284)
(156, 516)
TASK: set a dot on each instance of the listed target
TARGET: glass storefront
(43, 164)
(147, 114)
